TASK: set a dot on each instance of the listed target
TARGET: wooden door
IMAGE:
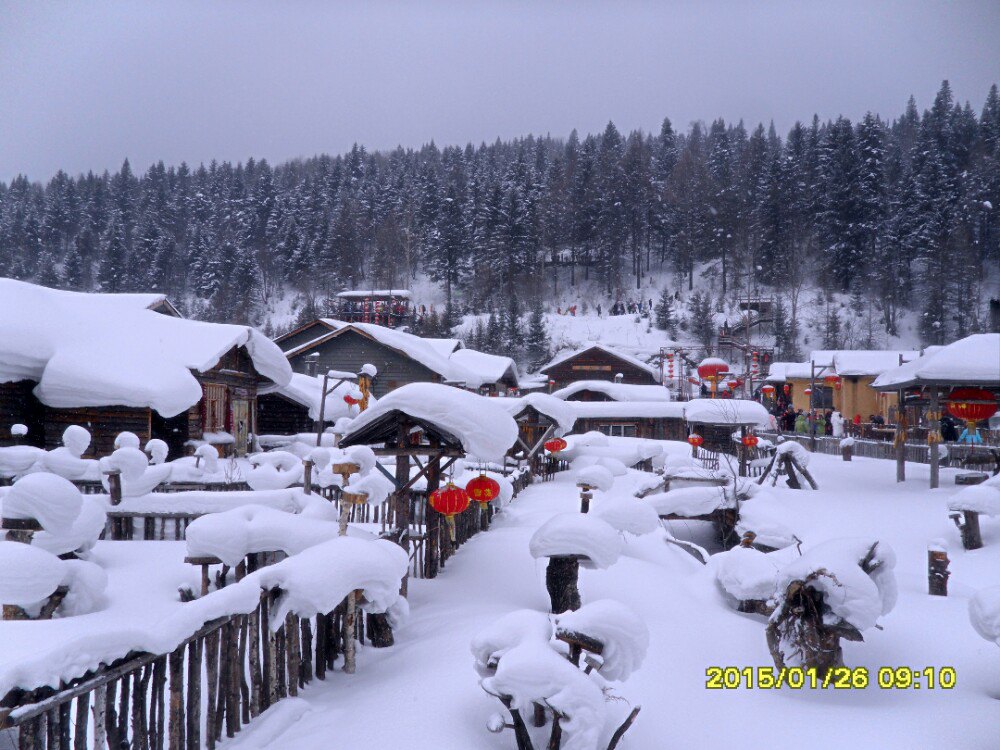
(241, 425)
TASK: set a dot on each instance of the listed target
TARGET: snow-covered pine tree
(538, 346)
(665, 318)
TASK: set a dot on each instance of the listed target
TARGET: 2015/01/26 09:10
(840, 678)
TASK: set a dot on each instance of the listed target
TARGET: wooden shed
(599, 362)
(655, 420)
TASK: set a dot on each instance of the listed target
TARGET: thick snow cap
(484, 429)
(974, 360)
(554, 408)
(725, 411)
(109, 349)
(577, 534)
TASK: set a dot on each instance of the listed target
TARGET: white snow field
(424, 692)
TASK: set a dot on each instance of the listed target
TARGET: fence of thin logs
(212, 684)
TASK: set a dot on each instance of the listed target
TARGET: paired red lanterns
(695, 440)
(555, 445)
(972, 404)
(449, 501)
(832, 381)
(767, 390)
(750, 441)
(482, 490)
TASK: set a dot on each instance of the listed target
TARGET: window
(618, 430)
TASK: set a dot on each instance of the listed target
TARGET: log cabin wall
(103, 422)
(277, 415)
(652, 428)
(350, 350)
(597, 364)
(18, 405)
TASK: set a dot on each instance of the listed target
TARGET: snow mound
(554, 408)
(978, 498)
(623, 633)
(18, 459)
(157, 450)
(725, 411)
(689, 501)
(746, 573)
(795, 451)
(50, 499)
(577, 534)
(511, 630)
(29, 574)
(374, 485)
(762, 517)
(627, 514)
(84, 533)
(984, 612)
(317, 579)
(18, 430)
(597, 477)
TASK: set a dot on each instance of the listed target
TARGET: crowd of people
(832, 423)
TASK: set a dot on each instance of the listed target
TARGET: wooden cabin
(599, 362)
(539, 417)
(117, 363)
(655, 420)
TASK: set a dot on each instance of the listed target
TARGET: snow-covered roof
(555, 409)
(725, 411)
(422, 350)
(445, 347)
(974, 360)
(489, 368)
(615, 391)
(617, 353)
(363, 293)
(875, 362)
(779, 372)
(484, 429)
(613, 409)
(110, 349)
(306, 391)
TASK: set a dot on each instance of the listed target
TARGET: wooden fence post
(937, 570)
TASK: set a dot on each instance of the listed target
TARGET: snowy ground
(424, 692)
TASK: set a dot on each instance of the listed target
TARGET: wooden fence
(959, 456)
(213, 683)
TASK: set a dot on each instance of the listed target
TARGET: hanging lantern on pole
(750, 441)
(449, 501)
(713, 370)
(808, 391)
(832, 381)
(482, 490)
(786, 389)
(972, 405)
(695, 440)
(555, 445)
(768, 390)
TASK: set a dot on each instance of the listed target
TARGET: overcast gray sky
(83, 85)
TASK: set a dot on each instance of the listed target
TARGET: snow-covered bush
(835, 590)
(523, 660)
(51, 500)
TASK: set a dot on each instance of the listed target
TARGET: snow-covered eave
(619, 355)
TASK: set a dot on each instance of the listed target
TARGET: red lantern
(833, 381)
(808, 391)
(482, 489)
(712, 369)
(695, 440)
(350, 400)
(750, 441)
(555, 445)
(972, 404)
(767, 390)
(449, 501)
(733, 384)
(786, 388)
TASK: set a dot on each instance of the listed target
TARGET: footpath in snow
(424, 693)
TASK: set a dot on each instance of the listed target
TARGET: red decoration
(808, 391)
(832, 381)
(972, 404)
(712, 369)
(350, 400)
(767, 390)
(555, 445)
(734, 384)
(449, 500)
(786, 388)
(750, 441)
(695, 440)
(482, 489)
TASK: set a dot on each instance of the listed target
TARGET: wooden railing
(213, 683)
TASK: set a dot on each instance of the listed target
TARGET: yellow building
(857, 369)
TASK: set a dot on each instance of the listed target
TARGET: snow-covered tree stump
(967, 522)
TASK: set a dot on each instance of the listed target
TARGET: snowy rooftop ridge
(86, 349)
(974, 360)
(615, 391)
(844, 362)
(618, 353)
